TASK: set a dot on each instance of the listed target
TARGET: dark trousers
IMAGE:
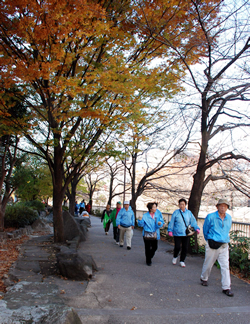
(106, 229)
(150, 248)
(116, 233)
(178, 241)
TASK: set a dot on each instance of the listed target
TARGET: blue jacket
(151, 225)
(125, 218)
(217, 229)
(176, 224)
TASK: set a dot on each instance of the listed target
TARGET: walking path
(126, 290)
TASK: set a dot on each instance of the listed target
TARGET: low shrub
(35, 204)
(19, 215)
(65, 208)
(239, 248)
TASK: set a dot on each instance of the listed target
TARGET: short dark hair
(184, 200)
(151, 204)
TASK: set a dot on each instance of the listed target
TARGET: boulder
(72, 228)
(39, 224)
(75, 265)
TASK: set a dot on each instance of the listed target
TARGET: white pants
(222, 256)
(128, 231)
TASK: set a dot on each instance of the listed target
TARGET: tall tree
(69, 61)
(221, 47)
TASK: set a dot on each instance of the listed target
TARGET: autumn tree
(69, 61)
(221, 47)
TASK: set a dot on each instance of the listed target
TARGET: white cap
(126, 202)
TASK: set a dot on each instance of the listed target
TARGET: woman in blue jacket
(151, 221)
(177, 228)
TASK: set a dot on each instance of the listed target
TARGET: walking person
(151, 222)
(82, 206)
(125, 222)
(216, 233)
(181, 218)
(113, 216)
(106, 218)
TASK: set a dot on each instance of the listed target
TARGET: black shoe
(128, 248)
(204, 282)
(121, 245)
(148, 263)
(228, 292)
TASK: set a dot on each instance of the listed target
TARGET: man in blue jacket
(216, 232)
(125, 222)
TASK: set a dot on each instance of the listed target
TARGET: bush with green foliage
(19, 215)
(35, 204)
(239, 248)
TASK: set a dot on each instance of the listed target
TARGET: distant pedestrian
(181, 218)
(216, 233)
(125, 222)
(113, 216)
(76, 208)
(88, 207)
(82, 206)
(106, 218)
(151, 222)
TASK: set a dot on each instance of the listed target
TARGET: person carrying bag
(151, 222)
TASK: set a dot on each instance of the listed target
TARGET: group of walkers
(182, 224)
(82, 207)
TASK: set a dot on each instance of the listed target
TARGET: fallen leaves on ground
(8, 254)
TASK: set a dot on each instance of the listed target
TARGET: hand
(140, 217)
(118, 226)
(170, 233)
(198, 231)
(159, 223)
(132, 227)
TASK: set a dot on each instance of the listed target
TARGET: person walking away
(177, 228)
(82, 207)
(88, 207)
(216, 233)
(106, 218)
(76, 208)
(113, 216)
(151, 222)
(125, 222)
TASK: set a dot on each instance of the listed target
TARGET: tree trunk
(72, 195)
(111, 188)
(199, 177)
(58, 196)
(133, 191)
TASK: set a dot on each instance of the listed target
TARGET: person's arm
(171, 223)
(206, 227)
(103, 214)
(193, 223)
(118, 219)
(160, 220)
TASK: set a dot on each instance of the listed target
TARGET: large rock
(83, 220)
(72, 228)
(75, 264)
(40, 225)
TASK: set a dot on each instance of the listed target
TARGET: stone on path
(75, 264)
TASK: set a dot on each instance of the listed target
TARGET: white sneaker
(174, 260)
(117, 243)
(106, 233)
(182, 264)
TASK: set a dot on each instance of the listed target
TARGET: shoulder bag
(150, 236)
(189, 229)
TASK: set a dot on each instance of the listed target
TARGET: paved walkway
(126, 290)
